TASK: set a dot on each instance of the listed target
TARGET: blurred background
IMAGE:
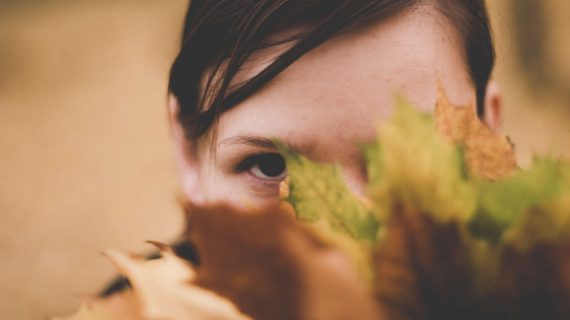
(86, 162)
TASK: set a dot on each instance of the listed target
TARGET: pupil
(272, 165)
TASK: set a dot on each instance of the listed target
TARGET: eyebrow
(256, 141)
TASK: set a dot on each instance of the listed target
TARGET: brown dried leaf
(488, 155)
(534, 284)
(422, 269)
(273, 268)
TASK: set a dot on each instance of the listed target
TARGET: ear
(493, 106)
(186, 157)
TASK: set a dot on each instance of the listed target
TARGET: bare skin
(326, 104)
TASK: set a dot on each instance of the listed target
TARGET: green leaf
(319, 195)
(501, 204)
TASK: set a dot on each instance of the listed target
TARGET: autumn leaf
(161, 289)
(487, 154)
(501, 203)
(165, 289)
(320, 198)
(319, 194)
(274, 268)
(422, 269)
(413, 164)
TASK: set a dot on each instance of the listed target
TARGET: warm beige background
(86, 162)
(537, 106)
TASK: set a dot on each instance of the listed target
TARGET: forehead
(343, 86)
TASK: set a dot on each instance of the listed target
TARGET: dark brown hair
(220, 35)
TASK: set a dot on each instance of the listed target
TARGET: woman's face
(325, 105)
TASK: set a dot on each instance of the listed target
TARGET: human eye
(266, 167)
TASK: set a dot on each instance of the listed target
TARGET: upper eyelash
(249, 161)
